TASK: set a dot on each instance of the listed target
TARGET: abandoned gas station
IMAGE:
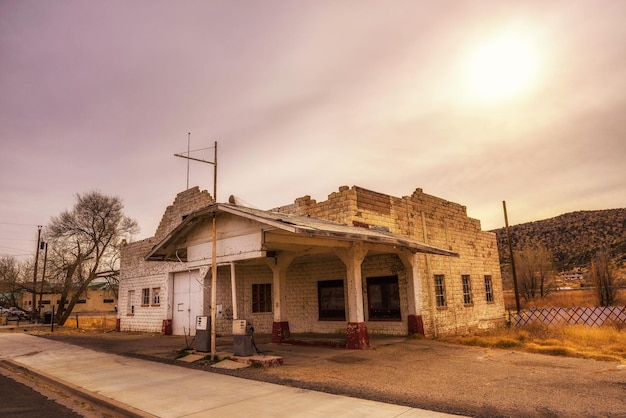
(358, 263)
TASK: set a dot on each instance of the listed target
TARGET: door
(187, 302)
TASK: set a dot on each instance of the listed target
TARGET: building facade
(358, 263)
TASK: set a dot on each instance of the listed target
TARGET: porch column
(357, 336)
(414, 291)
(279, 265)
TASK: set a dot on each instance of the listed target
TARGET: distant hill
(573, 237)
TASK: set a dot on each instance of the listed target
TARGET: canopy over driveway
(277, 239)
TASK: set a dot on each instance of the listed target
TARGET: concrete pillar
(357, 336)
(279, 265)
(415, 320)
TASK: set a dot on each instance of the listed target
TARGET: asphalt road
(20, 400)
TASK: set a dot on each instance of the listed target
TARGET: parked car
(18, 313)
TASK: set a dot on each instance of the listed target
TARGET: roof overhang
(173, 246)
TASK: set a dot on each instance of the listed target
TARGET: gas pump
(243, 342)
(202, 340)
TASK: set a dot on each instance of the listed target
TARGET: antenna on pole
(188, 144)
(214, 241)
(188, 157)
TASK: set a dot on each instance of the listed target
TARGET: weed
(182, 353)
(606, 343)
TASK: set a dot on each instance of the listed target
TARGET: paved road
(21, 401)
(150, 389)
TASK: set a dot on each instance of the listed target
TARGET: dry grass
(606, 343)
(562, 299)
(92, 323)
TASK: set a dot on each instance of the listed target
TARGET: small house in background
(100, 297)
(358, 263)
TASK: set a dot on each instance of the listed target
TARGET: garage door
(187, 302)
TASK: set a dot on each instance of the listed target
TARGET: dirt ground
(415, 372)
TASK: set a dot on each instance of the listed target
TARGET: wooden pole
(214, 259)
(214, 241)
(34, 310)
(508, 238)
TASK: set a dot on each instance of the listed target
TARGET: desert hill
(573, 237)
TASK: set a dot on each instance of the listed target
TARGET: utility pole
(43, 273)
(34, 290)
(508, 238)
(214, 241)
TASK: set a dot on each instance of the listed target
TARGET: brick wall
(436, 222)
(186, 202)
(420, 216)
(136, 273)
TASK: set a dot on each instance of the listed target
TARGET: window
(440, 290)
(467, 289)
(145, 297)
(81, 301)
(45, 302)
(488, 288)
(156, 296)
(331, 301)
(262, 297)
(383, 297)
(108, 301)
(130, 303)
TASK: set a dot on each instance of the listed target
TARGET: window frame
(324, 293)
(466, 283)
(145, 296)
(489, 296)
(440, 290)
(130, 307)
(155, 298)
(261, 298)
(389, 293)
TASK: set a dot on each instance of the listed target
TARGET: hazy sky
(306, 96)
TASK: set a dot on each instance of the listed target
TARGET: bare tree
(10, 283)
(603, 278)
(85, 239)
(535, 270)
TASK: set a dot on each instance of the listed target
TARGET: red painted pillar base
(416, 325)
(166, 328)
(357, 337)
(280, 331)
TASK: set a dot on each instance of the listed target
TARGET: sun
(502, 68)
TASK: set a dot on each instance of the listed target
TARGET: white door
(187, 302)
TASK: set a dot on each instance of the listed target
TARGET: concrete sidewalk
(146, 388)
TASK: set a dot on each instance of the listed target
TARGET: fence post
(77, 322)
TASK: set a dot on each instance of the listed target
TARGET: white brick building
(359, 263)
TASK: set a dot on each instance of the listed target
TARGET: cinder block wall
(420, 216)
(136, 273)
(436, 222)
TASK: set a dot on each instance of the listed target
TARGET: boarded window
(130, 303)
(383, 297)
(331, 301)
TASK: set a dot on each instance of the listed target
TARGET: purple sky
(304, 97)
